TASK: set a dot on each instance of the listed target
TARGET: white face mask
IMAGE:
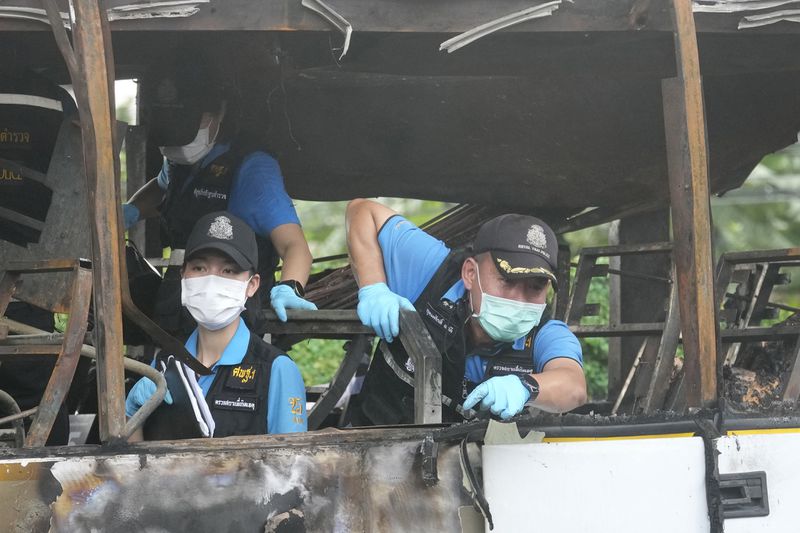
(196, 150)
(213, 301)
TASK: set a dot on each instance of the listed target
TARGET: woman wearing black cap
(253, 387)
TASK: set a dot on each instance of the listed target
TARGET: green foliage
(323, 224)
(595, 350)
(318, 359)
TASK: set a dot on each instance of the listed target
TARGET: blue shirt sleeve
(163, 176)
(287, 398)
(555, 340)
(258, 196)
(410, 256)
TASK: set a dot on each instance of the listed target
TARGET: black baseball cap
(174, 98)
(227, 233)
(521, 246)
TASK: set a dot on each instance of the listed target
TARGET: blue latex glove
(131, 215)
(503, 395)
(283, 297)
(379, 308)
(140, 393)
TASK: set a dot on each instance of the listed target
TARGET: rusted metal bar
(601, 215)
(658, 386)
(19, 416)
(30, 349)
(45, 265)
(791, 389)
(743, 322)
(759, 334)
(627, 249)
(580, 289)
(131, 365)
(323, 406)
(636, 275)
(9, 405)
(427, 368)
(759, 256)
(96, 71)
(7, 285)
(629, 378)
(685, 128)
(312, 323)
(61, 378)
(619, 330)
(562, 293)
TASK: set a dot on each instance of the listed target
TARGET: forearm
(363, 224)
(147, 199)
(560, 389)
(297, 262)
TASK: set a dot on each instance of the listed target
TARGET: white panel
(614, 486)
(779, 456)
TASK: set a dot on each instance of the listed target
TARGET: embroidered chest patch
(236, 403)
(218, 170)
(242, 377)
(439, 320)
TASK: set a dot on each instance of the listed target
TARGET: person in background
(193, 113)
(253, 387)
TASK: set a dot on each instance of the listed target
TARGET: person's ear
(253, 285)
(468, 272)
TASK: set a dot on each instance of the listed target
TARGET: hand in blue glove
(131, 215)
(140, 393)
(379, 308)
(283, 297)
(503, 395)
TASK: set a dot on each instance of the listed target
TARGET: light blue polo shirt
(411, 257)
(257, 195)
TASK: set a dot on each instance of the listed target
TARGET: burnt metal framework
(744, 284)
(68, 351)
(91, 68)
(345, 324)
(654, 360)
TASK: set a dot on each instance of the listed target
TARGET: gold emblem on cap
(508, 269)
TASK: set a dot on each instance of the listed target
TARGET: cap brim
(225, 248)
(513, 265)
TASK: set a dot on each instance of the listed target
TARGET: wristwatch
(530, 383)
(296, 286)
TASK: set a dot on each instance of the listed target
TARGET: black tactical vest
(193, 192)
(238, 398)
(387, 399)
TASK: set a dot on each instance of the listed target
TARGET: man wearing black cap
(254, 388)
(193, 115)
(483, 308)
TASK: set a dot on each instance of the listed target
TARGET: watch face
(295, 285)
(530, 383)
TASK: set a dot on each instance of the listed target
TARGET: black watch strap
(296, 286)
(530, 383)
